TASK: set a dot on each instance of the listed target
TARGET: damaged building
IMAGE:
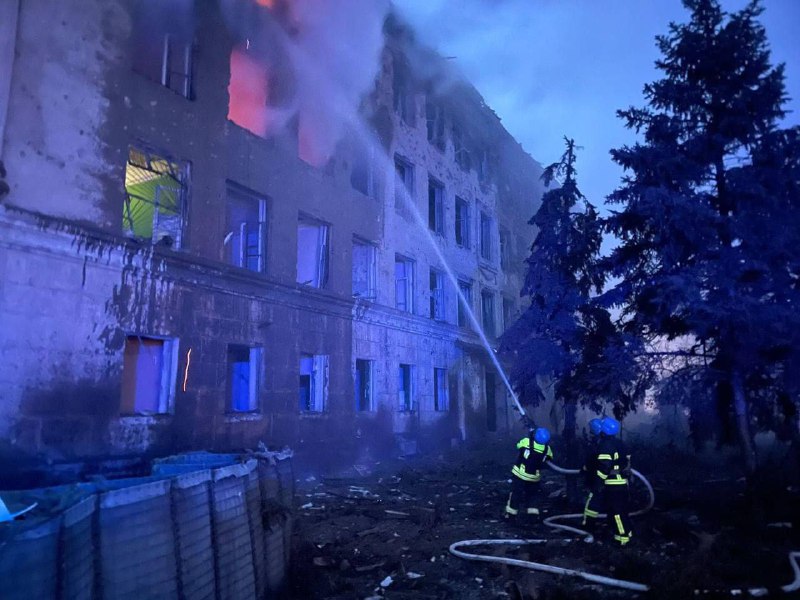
(191, 257)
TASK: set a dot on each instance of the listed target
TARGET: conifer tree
(708, 217)
(562, 338)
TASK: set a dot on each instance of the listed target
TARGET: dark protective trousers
(521, 498)
(616, 505)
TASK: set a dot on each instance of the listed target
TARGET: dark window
(435, 206)
(486, 237)
(434, 115)
(437, 302)
(365, 270)
(245, 235)
(362, 176)
(405, 392)
(441, 400)
(403, 98)
(164, 58)
(364, 370)
(313, 382)
(244, 368)
(148, 375)
(487, 312)
(312, 253)
(155, 198)
(462, 223)
(403, 182)
(465, 287)
(404, 283)
(462, 154)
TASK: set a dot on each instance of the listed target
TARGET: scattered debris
(387, 582)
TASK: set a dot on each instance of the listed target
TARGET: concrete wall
(74, 286)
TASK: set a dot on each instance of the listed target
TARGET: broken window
(434, 115)
(364, 372)
(487, 312)
(248, 92)
(402, 96)
(405, 388)
(441, 399)
(505, 259)
(244, 378)
(486, 236)
(148, 375)
(365, 270)
(313, 382)
(465, 287)
(312, 253)
(437, 295)
(462, 223)
(403, 182)
(362, 176)
(165, 58)
(508, 312)
(460, 149)
(435, 206)
(483, 167)
(155, 198)
(404, 283)
(245, 229)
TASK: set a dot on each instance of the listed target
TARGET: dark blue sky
(551, 68)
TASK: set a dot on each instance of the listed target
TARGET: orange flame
(248, 92)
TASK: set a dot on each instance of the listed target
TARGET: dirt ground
(384, 532)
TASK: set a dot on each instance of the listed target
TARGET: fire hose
(794, 557)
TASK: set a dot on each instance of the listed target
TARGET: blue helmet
(541, 436)
(610, 426)
(595, 426)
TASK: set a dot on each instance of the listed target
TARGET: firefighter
(614, 469)
(534, 450)
(594, 485)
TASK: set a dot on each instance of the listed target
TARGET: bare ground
(392, 524)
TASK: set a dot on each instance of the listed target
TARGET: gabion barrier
(202, 527)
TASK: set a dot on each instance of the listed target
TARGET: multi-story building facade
(178, 275)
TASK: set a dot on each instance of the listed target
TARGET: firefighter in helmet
(534, 451)
(614, 469)
(594, 485)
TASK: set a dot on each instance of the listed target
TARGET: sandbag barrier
(203, 526)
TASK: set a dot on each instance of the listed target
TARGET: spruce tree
(562, 339)
(708, 220)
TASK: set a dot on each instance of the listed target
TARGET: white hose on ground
(601, 579)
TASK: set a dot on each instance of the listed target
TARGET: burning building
(229, 223)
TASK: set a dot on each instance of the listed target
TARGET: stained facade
(177, 275)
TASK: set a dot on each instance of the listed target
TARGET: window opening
(462, 223)
(364, 373)
(405, 393)
(244, 367)
(155, 197)
(148, 375)
(435, 206)
(486, 236)
(312, 253)
(404, 283)
(465, 287)
(441, 399)
(437, 304)
(365, 270)
(245, 236)
(313, 382)
(487, 311)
